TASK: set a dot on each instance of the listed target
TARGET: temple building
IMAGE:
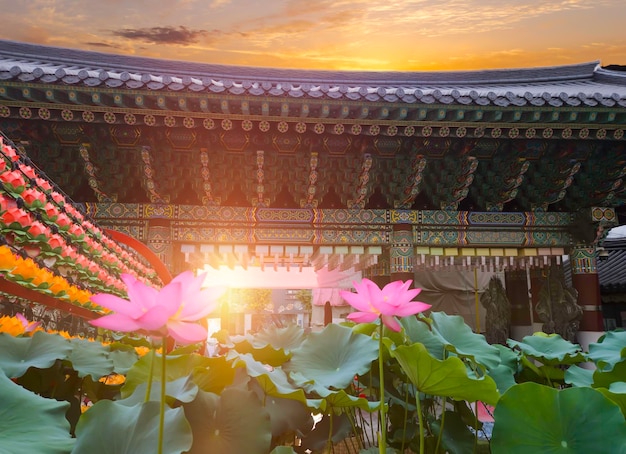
(391, 175)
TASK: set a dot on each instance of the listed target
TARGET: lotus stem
(406, 414)
(382, 438)
(162, 400)
(149, 384)
(443, 416)
(420, 418)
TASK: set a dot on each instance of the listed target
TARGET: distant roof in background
(612, 270)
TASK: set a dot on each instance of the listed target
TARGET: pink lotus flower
(393, 300)
(29, 326)
(173, 310)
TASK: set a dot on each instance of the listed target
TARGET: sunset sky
(332, 34)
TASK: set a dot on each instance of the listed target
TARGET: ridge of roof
(36, 53)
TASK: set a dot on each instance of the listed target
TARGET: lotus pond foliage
(285, 390)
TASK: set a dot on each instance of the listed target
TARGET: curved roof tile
(556, 85)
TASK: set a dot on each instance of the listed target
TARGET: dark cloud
(101, 44)
(161, 35)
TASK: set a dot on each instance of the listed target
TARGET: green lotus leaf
(577, 376)
(550, 349)
(459, 338)
(176, 367)
(504, 374)
(287, 415)
(362, 328)
(112, 427)
(283, 450)
(271, 346)
(266, 354)
(609, 350)
(274, 381)
(218, 373)
(96, 390)
(604, 379)
(448, 378)
(418, 330)
(617, 393)
(333, 356)
(123, 360)
(182, 389)
(287, 338)
(41, 350)
(233, 422)
(31, 423)
(340, 400)
(124, 341)
(456, 437)
(317, 439)
(90, 358)
(532, 418)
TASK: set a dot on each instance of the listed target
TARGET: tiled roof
(612, 270)
(585, 84)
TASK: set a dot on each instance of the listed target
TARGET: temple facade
(386, 173)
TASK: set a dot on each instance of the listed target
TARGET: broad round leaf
(123, 360)
(448, 378)
(41, 350)
(459, 338)
(273, 381)
(234, 422)
(532, 418)
(617, 393)
(176, 367)
(215, 374)
(419, 331)
(333, 356)
(283, 450)
(287, 338)
(90, 358)
(577, 376)
(609, 350)
(182, 389)
(456, 437)
(288, 415)
(340, 400)
(31, 423)
(550, 349)
(111, 427)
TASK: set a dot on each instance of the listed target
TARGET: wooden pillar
(159, 240)
(585, 280)
(537, 277)
(516, 283)
(401, 254)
